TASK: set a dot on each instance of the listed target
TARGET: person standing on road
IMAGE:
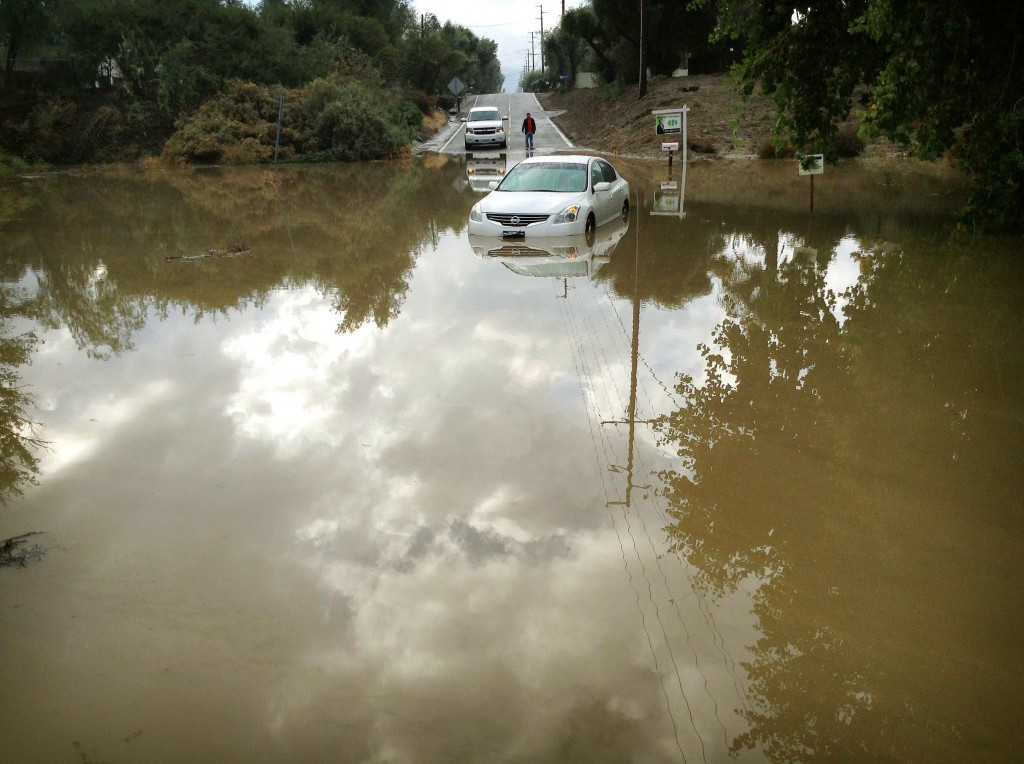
(529, 127)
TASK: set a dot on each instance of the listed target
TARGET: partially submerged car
(552, 196)
(485, 127)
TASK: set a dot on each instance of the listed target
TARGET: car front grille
(515, 251)
(515, 221)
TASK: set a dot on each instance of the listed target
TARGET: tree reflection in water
(853, 466)
(19, 444)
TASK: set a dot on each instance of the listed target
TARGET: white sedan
(552, 196)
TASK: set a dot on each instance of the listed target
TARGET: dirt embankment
(721, 123)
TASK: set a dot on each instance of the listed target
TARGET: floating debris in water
(13, 551)
(235, 251)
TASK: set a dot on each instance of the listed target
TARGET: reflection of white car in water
(552, 196)
(482, 168)
(553, 256)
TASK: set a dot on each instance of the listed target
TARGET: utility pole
(533, 53)
(643, 49)
(632, 421)
(542, 37)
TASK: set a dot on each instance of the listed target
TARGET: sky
(507, 22)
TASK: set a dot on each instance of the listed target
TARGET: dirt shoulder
(721, 123)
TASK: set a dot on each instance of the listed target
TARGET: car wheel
(467, 146)
(590, 229)
(504, 143)
(625, 208)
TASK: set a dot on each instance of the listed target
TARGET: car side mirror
(505, 118)
(602, 186)
(492, 185)
(463, 119)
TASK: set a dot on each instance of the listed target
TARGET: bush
(445, 102)
(49, 131)
(848, 142)
(348, 121)
(407, 115)
(423, 102)
(236, 127)
(775, 149)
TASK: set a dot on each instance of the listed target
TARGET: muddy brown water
(327, 480)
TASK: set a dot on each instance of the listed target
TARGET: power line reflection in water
(699, 678)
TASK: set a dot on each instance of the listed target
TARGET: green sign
(665, 124)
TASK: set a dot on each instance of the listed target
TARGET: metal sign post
(456, 87)
(812, 164)
(671, 122)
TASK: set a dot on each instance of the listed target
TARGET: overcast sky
(507, 22)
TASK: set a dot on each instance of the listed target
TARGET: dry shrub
(702, 146)
(774, 149)
(848, 141)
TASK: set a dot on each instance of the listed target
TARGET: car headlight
(469, 131)
(475, 214)
(568, 215)
(501, 129)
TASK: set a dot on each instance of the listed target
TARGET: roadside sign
(666, 202)
(668, 122)
(456, 86)
(812, 164)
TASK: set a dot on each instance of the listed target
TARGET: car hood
(529, 202)
(482, 123)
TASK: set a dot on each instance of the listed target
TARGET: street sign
(456, 86)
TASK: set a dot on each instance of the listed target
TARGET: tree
(943, 76)
(582, 23)
(22, 22)
(563, 53)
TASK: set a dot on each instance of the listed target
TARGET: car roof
(561, 158)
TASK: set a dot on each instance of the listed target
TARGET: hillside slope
(721, 122)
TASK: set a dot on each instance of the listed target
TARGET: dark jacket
(529, 125)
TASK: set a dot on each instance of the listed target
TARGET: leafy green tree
(943, 77)
(22, 22)
(582, 23)
(19, 464)
(563, 53)
(674, 32)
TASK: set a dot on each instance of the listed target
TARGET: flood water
(326, 481)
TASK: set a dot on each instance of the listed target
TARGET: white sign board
(456, 86)
(666, 202)
(812, 164)
(669, 122)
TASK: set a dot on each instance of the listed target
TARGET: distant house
(108, 73)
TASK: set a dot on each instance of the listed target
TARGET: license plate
(515, 234)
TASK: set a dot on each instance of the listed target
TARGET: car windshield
(546, 176)
(485, 114)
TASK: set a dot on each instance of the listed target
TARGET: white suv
(485, 127)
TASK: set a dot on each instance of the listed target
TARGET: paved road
(548, 138)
